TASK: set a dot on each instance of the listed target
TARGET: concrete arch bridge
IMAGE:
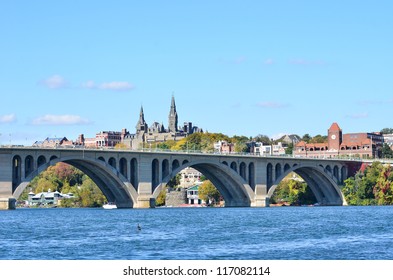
(135, 178)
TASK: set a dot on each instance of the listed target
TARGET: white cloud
(54, 82)
(118, 86)
(11, 118)
(269, 61)
(60, 120)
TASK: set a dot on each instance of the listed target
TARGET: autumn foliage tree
(373, 186)
(65, 178)
(208, 192)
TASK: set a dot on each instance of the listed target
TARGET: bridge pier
(145, 202)
(145, 198)
(261, 199)
(7, 203)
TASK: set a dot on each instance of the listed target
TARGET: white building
(47, 198)
(268, 150)
(388, 139)
(193, 196)
(190, 177)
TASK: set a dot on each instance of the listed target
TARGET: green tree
(383, 189)
(167, 145)
(207, 191)
(67, 179)
(175, 181)
(160, 201)
(90, 195)
(306, 138)
(387, 152)
(263, 139)
(241, 147)
(387, 131)
(289, 149)
(121, 146)
(318, 139)
(294, 192)
(368, 187)
(350, 190)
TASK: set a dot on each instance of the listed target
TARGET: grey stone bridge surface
(135, 178)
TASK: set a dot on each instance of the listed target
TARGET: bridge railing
(191, 151)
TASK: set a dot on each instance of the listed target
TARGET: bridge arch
(123, 167)
(134, 173)
(321, 183)
(16, 172)
(242, 170)
(234, 189)
(112, 162)
(29, 165)
(251, 175)
(113, 185)
(165, 168)
(41, 160)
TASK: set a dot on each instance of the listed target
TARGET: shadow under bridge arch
(113, 185)
(323, 186)
(235, 191)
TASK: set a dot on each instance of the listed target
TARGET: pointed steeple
(141, 126)
(173, 118)
(141, 115)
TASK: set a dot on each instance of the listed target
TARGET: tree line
(371, 186)
(65, 179)
(204, 142)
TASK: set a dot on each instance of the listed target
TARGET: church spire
(142, 115)
(173, 118)
(141, 126)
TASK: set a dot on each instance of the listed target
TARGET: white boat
(109, 205)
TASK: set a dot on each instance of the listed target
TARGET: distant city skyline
(238, 68)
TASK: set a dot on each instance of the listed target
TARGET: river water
(289, 233)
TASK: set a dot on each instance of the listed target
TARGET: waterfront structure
(360, 145)
(135, 178)
(193, 196)
(146, 136)
(47, 198)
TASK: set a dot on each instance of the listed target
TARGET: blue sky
(236, 67)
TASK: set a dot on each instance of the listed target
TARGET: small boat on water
(109, 205)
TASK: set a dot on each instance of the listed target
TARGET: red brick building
(363, 145)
